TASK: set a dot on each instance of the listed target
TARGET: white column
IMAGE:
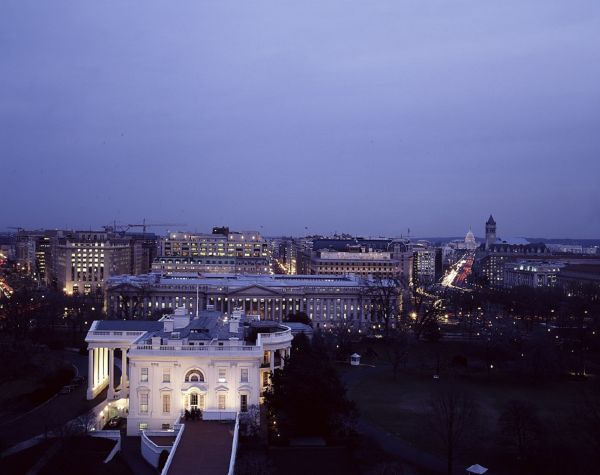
(96, 366)
(123, 368)
(90, 392)
(111, 372)
(101, 365)
(104, 363)
(272, 360)
(282, 356)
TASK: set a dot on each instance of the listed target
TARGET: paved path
(131, 452)
(204, 449)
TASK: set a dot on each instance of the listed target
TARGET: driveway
(55, 412)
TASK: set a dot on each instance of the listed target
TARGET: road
(53, 413)
(457, 274)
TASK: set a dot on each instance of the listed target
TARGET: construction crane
(123, 228)
(145, 225)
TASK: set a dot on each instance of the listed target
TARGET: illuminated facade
(533, 273)
(232, 244)
(214, 264)
(423, 265)
(84, 260)
(217, 364)
(362, 262)
(327, 300)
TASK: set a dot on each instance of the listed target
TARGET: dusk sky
(365, 117)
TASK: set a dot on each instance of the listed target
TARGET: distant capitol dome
(470, 237)
(470, 242)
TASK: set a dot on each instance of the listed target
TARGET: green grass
(400, 406)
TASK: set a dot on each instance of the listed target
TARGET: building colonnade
(101, 371)
(354, 309)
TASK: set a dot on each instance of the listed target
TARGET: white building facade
(326, 299)
(216, 364)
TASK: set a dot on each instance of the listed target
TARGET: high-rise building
(363, 257)
(85, 259)
(249, 248)
(232, 244)
(423, 264)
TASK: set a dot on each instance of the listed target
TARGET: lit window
(194, 376)
(144, 402)
(221, 402)
(166, 400)
(144, 375)
(222, 375)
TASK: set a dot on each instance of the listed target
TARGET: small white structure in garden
(476, 470)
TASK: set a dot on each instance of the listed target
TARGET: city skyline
(302, 231)
(350, 117)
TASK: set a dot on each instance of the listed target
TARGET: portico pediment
(125, 288)
(255, 291)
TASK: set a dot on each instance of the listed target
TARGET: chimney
(181, 318)
(234, 321)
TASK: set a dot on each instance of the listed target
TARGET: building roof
(343, 244)
(239, 281)
(490, 220)
(583, 272)
(128, 325)
(513, 241)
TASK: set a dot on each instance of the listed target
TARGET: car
(66, 389)
(115, 422)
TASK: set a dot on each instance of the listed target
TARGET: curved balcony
(275, 338)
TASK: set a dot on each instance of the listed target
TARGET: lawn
(400, 406)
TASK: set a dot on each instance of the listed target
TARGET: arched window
(194, 376)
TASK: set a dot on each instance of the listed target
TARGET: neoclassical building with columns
(326, 299)
(214, 362)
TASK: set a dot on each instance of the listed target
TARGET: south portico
(103, 338)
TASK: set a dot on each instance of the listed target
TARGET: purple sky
(364, 117)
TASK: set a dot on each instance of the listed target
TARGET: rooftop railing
(201, 349)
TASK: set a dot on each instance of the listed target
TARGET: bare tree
(452, 418)
(395, 348)
(131, 303)
(86, 422)
(587, 417)
(520, 427)
(425, 310)
(385, 295)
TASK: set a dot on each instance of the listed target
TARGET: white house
(214, 362)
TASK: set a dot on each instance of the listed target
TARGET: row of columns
(269, 308)
(272, 309)
(101, 370)
(283, 353)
